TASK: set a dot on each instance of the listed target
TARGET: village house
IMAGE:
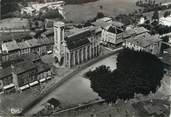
(111, 32)
(106, 21)
(34, 45)
(24, 74)
(10, 50)
(144, 42)
(112, 35)
(6, 80)
(17, 76)
(131, 32)
(46, 45)
(30, 57)
(43, 72)
(24, 47)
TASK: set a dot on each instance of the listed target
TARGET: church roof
(78, 39)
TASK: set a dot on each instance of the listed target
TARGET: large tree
(137, 72)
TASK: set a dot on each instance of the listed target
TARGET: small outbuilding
(54, 103)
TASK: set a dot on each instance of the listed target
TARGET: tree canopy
(8, 6)
(100, 15)
(155, 15)
(137, 72)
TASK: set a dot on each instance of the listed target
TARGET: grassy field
(83, 12)
(14, 23)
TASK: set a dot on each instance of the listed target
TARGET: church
(75, 48)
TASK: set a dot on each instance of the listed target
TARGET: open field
(14, 23)
(83, 12)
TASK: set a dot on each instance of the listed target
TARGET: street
(37, 104)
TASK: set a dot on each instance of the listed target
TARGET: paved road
(64, 80)
(167, 44)
(167, 34)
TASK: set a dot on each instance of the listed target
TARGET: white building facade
(112, 35)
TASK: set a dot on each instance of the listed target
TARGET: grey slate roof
(33, 43)
(11, 46)
(78, 39)
(19, 68)
(23, 45)
(30, 57)
(144, 40)
(42, 67)
(23, 67)
(113, 29)
(5, 72)
(134, 31)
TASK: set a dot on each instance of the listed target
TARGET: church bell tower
(58, 49)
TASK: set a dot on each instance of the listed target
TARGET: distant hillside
(11, 6)
(78, 1)
(66, 1)
(8, 6)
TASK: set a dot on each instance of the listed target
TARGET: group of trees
(126, 19)
(164, 46)
(137, 72)
(154, 26)
(152, 5)
(161, 29)
(49, 14)
(131, 18)
(166, 13)
(8, 7)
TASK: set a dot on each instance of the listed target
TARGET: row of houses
(11, 50)
(114, 33)
(26, 73)
(144, 42)
(140, 39)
